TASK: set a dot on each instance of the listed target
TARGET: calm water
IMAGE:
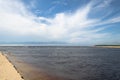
(71, 63)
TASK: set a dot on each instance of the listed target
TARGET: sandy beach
(109, 46)
(7, 70)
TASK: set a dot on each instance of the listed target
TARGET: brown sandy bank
(109, 46)
(7, 70)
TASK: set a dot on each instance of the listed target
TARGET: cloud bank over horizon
(91, 23)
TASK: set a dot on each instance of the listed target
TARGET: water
(70, 63)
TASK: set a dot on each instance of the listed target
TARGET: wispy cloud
(104, 3)
(57, 2)
(75, 27)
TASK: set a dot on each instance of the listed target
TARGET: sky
(83, 22)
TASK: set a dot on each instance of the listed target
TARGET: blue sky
(83, 22)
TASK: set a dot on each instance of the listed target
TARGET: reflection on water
(70, 63)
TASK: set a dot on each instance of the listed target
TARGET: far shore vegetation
(107, 45)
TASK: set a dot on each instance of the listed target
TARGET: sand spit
(7, 70)
(108, 46)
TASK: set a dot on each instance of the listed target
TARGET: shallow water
(68, 63)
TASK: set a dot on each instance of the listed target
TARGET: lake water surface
(66, 63)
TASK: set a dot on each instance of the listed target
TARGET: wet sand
(7, 70)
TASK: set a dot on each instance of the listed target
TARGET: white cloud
(69, 27)
(59, 3)
(104, 3)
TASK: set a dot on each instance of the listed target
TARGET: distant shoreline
(108, 46)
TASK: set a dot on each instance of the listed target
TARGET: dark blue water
(71, 63)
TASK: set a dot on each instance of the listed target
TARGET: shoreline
(8, 70)
(108, 46)
(28, 71)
